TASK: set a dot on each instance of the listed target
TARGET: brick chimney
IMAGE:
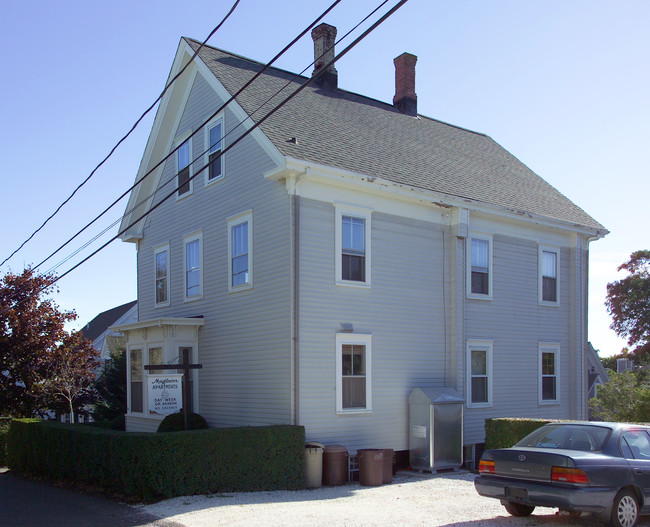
(405, 100)
(324, 37)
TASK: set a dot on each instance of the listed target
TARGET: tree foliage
(628, 300)
(110, 385)
(33, 344)
(625, 398)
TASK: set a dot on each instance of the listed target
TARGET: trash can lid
(313, 444)
(335, 448)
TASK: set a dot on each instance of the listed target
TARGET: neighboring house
(98, 329)
(596, 372)
(344, 253)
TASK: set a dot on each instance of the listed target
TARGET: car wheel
(519, 509)
(625, 510)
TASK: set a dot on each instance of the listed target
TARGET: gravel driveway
(411, 500)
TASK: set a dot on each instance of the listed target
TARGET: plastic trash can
(371, 467)
(313, 465)
(335, 465)
(388, 465)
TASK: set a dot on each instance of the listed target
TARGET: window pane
(136, 380)
(549, 264)
(161, 277)
(354, 392)
(240, 239)
(480, 252)
(215, 165)
(347, 359)
(479, 389)
(353, 268)
(183, 155)
(215, 138)
(136, 365)
(184, 181)
(549, 289)
(548, 363)
(548, 388)
(480, 282)
(192, 270)
(155, 357)
(353, 234)
(240, 270)
(479, 362)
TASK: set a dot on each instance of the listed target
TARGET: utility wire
(173, 151)
(173, 178)
(240, 138)
(125, 136)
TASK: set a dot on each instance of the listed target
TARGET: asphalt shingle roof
(104, 320)
(355, 133)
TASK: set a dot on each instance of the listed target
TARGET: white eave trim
(160, 322)
(295, 169)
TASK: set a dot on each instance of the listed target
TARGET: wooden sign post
(186, 367)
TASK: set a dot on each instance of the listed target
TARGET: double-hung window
(214, 136)
(161, 270)
(135, 361)
(479, 373)
(193, 267)
(479, 267)
(240, 251)
(183, 168)
(353, 373)
(549, 282)
(352, 246)
(549, 373)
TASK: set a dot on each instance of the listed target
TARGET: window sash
(239, 253)
(353, 373)
(215, 138)
(161, 277)
(549, 376)
(479, 283)
(479, 376)
(353, 231)
(136, 369)
(192, 268)
(549, 276)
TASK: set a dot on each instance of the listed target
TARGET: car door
(636, 448)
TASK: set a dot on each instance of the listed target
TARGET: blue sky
(562, 85)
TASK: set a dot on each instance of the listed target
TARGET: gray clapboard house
(344, 253)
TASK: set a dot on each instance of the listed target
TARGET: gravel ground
(411, 500)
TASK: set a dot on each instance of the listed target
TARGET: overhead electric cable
(125, 136)
(244, 135)
(173, 151)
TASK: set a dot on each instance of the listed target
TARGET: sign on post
(165, 393)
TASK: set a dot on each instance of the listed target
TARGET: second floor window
(214, 152)
(353, 249)
(240, 251)
(161, 261)
(549, 276)
(480, 280)
(193, 268)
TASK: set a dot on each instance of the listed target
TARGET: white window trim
(355, 212)
(206, 159)
(353, 339)
(549, 347)
(177, 143)
(468, 251)
(483, 345)
(540, 270)
(188, 239)
(233, 221)
(156, 250)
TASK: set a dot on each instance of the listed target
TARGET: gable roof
(104, 320)
(365, 136)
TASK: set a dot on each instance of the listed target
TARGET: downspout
(294, 246)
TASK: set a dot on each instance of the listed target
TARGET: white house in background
(98, 329)
(344, 253)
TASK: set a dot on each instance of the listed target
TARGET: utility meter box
(436, 429)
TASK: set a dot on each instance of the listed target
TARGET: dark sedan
(601, 468)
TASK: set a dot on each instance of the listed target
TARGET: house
(345, 252)
(596, 372)
(98, 329)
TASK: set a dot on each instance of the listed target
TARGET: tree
(32, 339)
(625, 398)
(111, 383)
(628, 300)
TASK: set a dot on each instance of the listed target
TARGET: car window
(567, 436)
(638, 443)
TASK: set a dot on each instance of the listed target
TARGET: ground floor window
(549, 373)
(353, 377)
(135, 356)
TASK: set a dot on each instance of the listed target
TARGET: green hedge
(156, 466)
(4, 427)
(505, 432)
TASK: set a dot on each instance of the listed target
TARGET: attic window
(183, 163)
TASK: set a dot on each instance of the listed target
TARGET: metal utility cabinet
(436, 429)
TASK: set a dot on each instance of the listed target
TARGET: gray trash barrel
(313, 465)
(371, 467)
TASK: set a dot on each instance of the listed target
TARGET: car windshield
(568, 436)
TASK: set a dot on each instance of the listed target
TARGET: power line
(173, 178)
(125, 136)
(240, 138)
(206, 121)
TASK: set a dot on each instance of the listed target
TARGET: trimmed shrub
(158, 466)
(176, 422)
(505, 432)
